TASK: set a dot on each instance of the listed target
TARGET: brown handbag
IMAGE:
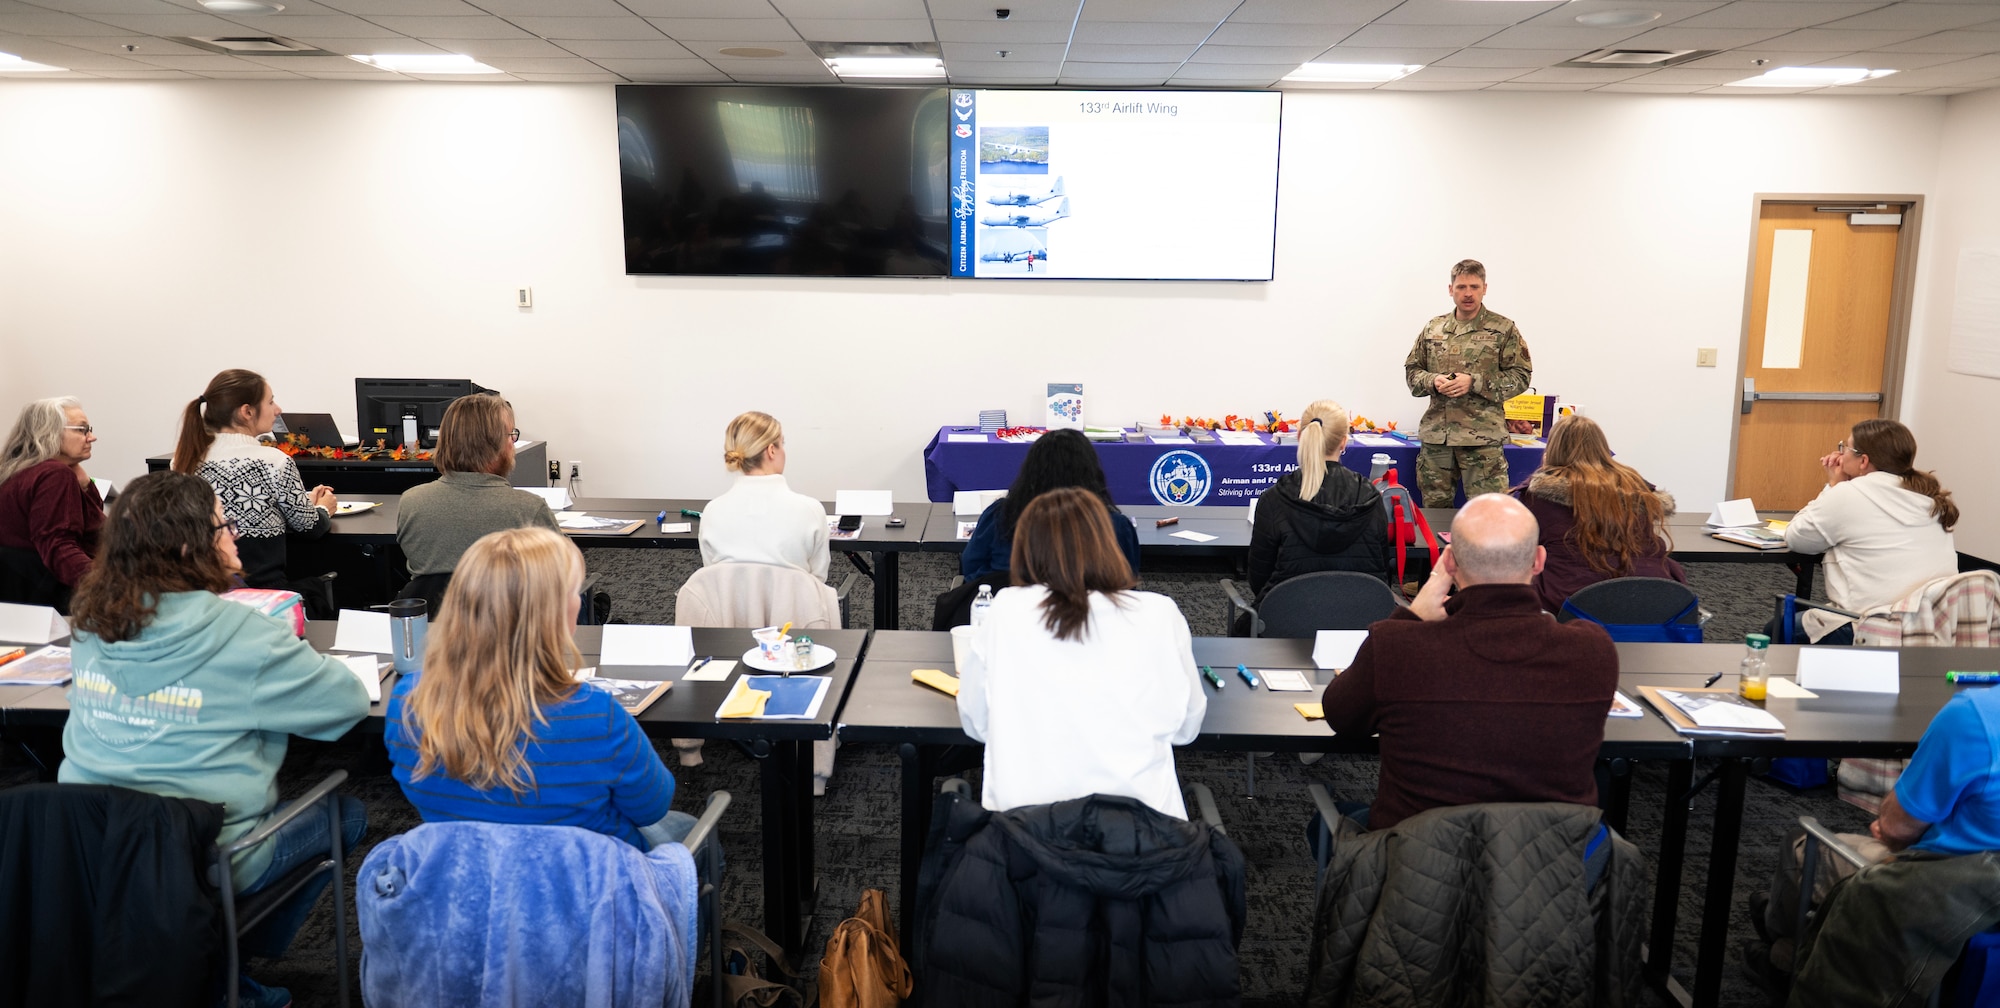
(862, 967)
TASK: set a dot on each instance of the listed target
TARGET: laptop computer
(318, 428)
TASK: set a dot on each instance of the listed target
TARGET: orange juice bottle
(1750, 676)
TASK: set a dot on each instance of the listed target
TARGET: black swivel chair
(1639, 609)
(1324, 600)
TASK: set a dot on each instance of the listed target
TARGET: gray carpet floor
(856, 828)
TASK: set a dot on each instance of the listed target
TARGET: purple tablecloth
(1208, 474)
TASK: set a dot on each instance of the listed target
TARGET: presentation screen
(1114, 185)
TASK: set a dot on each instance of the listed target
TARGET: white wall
(151, 234)
(1952, 414)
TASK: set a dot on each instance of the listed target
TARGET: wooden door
(1817, 342)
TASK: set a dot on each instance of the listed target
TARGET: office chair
(240, 915)
(1639, 610)
(1323, 600)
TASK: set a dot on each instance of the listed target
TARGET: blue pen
(1247, 676)
(662, 519)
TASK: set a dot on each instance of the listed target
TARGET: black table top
(378, 525)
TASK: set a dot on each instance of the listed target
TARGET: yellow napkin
(744, 702)
(936, 679)
(1309, 711)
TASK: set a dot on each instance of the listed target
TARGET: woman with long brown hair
(1884, 525)
(1600, 519)
(496, 727)
(259, 485)
(183, 693)
(1069, 641)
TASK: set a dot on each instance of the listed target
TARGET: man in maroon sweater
(1482, 697)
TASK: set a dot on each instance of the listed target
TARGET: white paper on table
(1378, 441)
(363, 630)
(31, 624)
(1734, 514)
(1334, 649)
(864, 502)
(557, 498)
(965, 439)
(965, 529)
(972, 502)
(715, 671)
(368, 669)
(1780, 687)
(1729, 715)
(584, 674)
(677, 527)
(1285, 680)
(638, 644)
(1858, 670)
(1177, 440)
(1193, 536)
(1238, 437)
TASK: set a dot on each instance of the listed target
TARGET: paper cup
(775, 647)
(961, 647)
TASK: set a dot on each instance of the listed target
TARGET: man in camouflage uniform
(1470, 362)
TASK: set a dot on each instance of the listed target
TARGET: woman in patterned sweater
(259, 485)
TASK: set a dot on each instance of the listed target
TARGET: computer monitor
(380, 404)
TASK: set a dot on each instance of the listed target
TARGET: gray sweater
(438, 522)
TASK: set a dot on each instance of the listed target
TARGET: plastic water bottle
(981, 604)
(1750, 675)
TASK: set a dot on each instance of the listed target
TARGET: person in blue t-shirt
(1948, 799)
(1060, 458)
(496, 729)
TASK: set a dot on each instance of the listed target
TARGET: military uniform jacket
(1489, 348)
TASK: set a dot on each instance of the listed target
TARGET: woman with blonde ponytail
(1321, 516)
(760, 519)
(1884, 525)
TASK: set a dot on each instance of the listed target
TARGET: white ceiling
(1938, 46)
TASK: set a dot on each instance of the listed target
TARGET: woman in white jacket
(1884, 526)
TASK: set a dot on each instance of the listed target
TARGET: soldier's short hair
(1472, 266)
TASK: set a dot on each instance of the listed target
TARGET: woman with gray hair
(50, 511)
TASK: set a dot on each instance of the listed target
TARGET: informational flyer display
(1114, 185)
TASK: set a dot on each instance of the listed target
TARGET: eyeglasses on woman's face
(229, 525)
(84, 429)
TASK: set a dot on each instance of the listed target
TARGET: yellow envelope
(936, 679)
(744, 702)
(1309, 711)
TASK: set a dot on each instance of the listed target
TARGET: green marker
(1213, 679)
(1973, 677)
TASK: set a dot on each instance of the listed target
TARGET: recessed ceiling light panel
(10, 63)
(751, 52)
(242, 6)
(886, 67)
(1352, 73)
(427, 63)
(1617, 18)
(1805, 77)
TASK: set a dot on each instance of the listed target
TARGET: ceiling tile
(1326, 86)
(1633, 87)
(1517, 86)
(1112, 83)
(545, 64)
(199, 63)
(1407, 84)
(588, 28)
(860, 30)
(353, 47)
(1928, 17)
(1880, 60)
(583, 78)
(1829, 40)
(773, 68)
(479, 48)
(317, 26)
(1458, 12)
(1746, 58)
(1678, 37)
(143, 74)
(411, 8)
(1144, 33)
(630, 67)
(1232, 83)
(1450, 74)
(547, 8)
(302, 64)
(690, 77)
(1082, 68)
(146, 44)
(1003, 31)
(1758, 14)
(658, 48)
(451, 27)
(360, 73)
(1368, 54)
(1024, 10)
(1387, 35)
(1565, 15)
(1231, 33)
(23, 20)
(1311, 11)
(1091, 52)
(250, 75)
(1577, 40)
(1294, 55)
(1705, 76)
(1949, 42)
(1520, 58)
(861, 10)
(955, 52)
(1580, 75)
(729, 29)
(1235, 71)
(89, 8)
(1211, 11)
(701, 8)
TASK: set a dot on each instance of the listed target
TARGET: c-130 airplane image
(1033, 218)
(1028, 197)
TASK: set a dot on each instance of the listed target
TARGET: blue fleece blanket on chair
(468, 913)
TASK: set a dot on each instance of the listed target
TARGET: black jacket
(105, 901)
(1887, 933)
(1098, 901)
(1343, 528)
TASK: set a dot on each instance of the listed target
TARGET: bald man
(1482, 696)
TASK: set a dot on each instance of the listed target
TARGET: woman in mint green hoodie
(180, 692)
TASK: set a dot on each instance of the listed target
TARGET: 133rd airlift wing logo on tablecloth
(1181, 477)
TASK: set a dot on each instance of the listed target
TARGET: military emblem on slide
(1180, 477)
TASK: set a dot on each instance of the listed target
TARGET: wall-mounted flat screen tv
(784, 181)
(1114, 185)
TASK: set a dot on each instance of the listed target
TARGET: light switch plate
(1704, 356)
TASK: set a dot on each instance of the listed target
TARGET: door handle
(1751, 395)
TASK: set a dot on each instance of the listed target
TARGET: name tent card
(557, 498)
(1734, 514)
(863, 502)
(633, 644)
(361, 630)
(31, 624)
(1857, 670)
(1335, 649)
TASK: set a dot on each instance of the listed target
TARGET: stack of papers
(1239, 437)
(46, 667)
(991, 420)
(1714, 713)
